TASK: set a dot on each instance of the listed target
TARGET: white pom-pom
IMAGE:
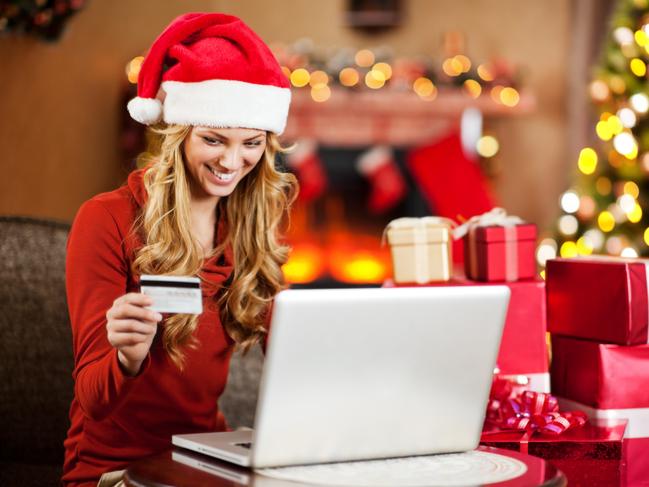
(145, 110)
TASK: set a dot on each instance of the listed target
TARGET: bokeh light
(487, 146)
(364, 58)
(587, 160)
(570, 202)
(300, 77)
(568, 225)
(349, 77)
(606, 221)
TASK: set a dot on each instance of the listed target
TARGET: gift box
(523, 354)
(593, 454)
(498, 247)
(421, 249)
(603, 380)
(603, 299)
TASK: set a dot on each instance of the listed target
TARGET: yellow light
(378, 75)
(638, 67)
(615, 124)
(424, 87)
(646, 235)
(568, 249)
(487, 146)
(587, 162)
(133, 69)
(300, 77)
(473, 88)
(631, 188)
(604, 131)
(640, 38)
(319, 79)
(509, 97)
(542, 274)
(452, 67)
(635, 215)
(348, 77)
(321, 94)
(384, 68)
(464, 61)
(485, 73)
(583, 246)
(606, 221)
(603, 185)
(599, 90)
(304, 265)
(286, 71)
(374, 79)
(364, 58)
(363, 268)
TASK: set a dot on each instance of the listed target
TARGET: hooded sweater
(116, 419)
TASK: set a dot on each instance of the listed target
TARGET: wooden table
(172, 469)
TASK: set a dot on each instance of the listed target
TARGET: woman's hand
(131, 328)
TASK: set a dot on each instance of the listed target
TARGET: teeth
(220, 175)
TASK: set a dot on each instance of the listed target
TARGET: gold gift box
(421, 249)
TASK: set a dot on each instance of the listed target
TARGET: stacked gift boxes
(598, 314)
(499, 250)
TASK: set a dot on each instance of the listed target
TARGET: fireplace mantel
(363, 118)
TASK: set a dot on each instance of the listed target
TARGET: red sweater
(116, 419)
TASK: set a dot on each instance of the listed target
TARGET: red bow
(529, 411)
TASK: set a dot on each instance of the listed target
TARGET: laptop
(369, 373)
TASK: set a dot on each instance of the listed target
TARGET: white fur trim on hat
(145, 110)
(227, 103)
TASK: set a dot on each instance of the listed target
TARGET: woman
(209, 203)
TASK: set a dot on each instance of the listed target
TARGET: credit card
(173, 294)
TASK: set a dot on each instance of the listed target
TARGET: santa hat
(211, 69)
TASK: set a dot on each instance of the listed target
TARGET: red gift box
(603, 380)
(637, 462)
(593, 454)
(601, 299)
(498, 247)
(523, 348)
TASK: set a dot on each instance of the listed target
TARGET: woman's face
(218, 158)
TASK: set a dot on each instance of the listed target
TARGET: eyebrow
(213, 132)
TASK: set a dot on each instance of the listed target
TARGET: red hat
(212, 70)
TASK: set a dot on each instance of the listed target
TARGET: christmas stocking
(308, 167)
(450, 181)
(388, 185)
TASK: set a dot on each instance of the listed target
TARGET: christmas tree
(606, 212)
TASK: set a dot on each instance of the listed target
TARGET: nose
(232, 159)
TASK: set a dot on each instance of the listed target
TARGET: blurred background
(400, 108)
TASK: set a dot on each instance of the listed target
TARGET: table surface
(172, 468)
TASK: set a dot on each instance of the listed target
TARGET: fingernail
(158, 316)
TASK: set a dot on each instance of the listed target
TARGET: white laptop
(354, 374)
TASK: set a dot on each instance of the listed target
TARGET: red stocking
(388, 184)
(451, 182)
(310, 172)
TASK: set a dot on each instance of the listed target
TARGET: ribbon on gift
(419, 228)
(528, 412)
(495, 217)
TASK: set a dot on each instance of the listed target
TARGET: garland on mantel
(45, 19)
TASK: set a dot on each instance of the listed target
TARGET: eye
(211, 141)
(253, 144)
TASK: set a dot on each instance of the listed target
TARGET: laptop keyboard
(244, 445)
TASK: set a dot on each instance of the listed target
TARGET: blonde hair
(255, 214)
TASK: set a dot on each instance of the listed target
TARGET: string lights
(605, 212)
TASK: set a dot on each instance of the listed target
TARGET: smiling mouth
(221, 176)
